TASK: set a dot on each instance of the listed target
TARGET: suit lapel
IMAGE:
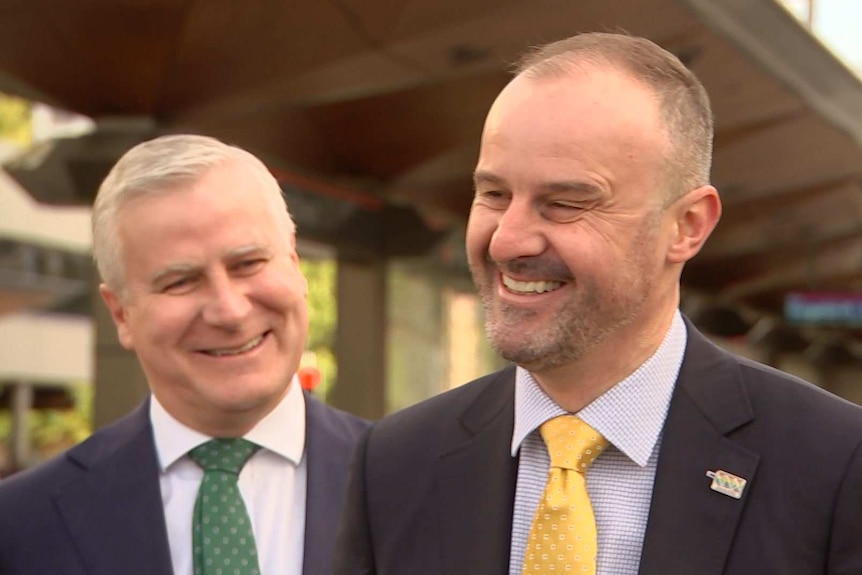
(476, 484)
(328, 455)
(114, 510)
(691, 527)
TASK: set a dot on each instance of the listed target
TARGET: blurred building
(46, 330)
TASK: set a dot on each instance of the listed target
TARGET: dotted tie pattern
(563, 535)
(222, 537)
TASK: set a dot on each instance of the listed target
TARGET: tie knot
(228, 455)
(572, 444)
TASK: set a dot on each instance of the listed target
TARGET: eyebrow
(184, 269)
(579, 186)
(486, 177)
(246, 250)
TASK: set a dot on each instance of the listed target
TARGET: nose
(227, 303)
(518, 233)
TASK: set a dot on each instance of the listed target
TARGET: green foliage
(54, 430)
(15, 124)
(322, 317)
(5, 424)
(321, 302)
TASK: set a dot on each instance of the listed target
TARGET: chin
(251, 399)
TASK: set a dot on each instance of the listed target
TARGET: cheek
(593, 258)
(163, 322)
(286, 292)
(480, 231)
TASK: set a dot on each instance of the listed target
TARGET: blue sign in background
(824, 308)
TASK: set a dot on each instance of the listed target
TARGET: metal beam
(774, 38)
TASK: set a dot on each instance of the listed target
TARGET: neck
(577, 384)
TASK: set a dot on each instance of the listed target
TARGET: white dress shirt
(272, 483)
(630, 416)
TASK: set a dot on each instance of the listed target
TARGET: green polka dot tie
(222, 538)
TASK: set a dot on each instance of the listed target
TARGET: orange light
(309, 377)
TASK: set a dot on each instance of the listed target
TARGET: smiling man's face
(566, 232)
(214, 302)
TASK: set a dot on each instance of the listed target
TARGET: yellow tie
(563, 535)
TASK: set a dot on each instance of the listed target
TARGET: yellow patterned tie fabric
(563, 535)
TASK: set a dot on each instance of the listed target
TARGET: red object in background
(309, 377)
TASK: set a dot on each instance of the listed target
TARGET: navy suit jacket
(97, 509)
(432, 487)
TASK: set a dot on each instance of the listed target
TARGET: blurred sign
(839, 309)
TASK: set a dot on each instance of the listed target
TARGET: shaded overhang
(370, 111)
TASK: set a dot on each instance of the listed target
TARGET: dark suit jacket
(432, 487)
(97, 509)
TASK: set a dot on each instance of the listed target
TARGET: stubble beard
(582, 322)
(562, 339)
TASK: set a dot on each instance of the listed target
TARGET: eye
(561, 212)
(179, 285)
(249, 265)
(494, 199)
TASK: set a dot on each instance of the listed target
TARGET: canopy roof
(381, 103)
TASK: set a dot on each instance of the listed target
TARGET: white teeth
(236, 350)
(530, 287)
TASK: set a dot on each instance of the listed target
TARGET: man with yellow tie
(621, 442)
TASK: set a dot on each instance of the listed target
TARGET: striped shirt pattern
(630, 416)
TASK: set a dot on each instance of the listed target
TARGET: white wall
(22, 218)
(46, 348)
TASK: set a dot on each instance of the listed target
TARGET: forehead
(226, 203)
(595, 119)
(589, 101)
(222, 185)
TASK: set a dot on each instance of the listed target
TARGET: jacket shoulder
(446, 417)
(67, 466)
(336, 423)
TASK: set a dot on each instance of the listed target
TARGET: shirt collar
(630, 415)
(281, 431)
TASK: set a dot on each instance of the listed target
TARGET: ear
(294, 257)
(696, 214)
(118, 314)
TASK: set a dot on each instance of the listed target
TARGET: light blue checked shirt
(630, 416)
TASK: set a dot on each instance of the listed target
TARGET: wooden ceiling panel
(227, 47)
(358, 76)
(443, 36)
(802, 150)
(100, 58)
(285, 138)
(786, 221)
(741, 92)
(369, 135)
(801, 271)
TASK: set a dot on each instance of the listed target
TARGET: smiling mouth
(530, 287)
(245, 348)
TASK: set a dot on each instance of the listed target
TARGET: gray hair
(683, 101)
(159, 166)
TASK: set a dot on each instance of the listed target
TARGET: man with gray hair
(227, 467)
(621, 442)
